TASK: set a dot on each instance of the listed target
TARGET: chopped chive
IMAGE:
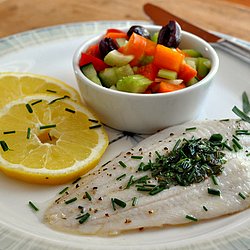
(48, 126)
(205, 208)
(243, 196)
(214, 179)
(4, 146)
(134, 201)
(130, 182)
(224, 120)
(216, 138)
(76, 180)
(59, 98)
(63, 190)
(93, 120)
(136, 157)
(120, 177)
(9, 132)
(235, 148)
(88, 196)
(213, 191)
(144, 189)
(84, 218)
(192, 128)
(156, 190)
(122, 164)
(224, 144)
(248, 154)
(113, 203)
(191, 217)
(33, 206)
(36, 102)
(95, 126)
(71, 200)
(28, 133)
(246, 104)
(120, 203)
(241, 114)
(70, 110)
(176, 145)
(237, 144)
(29, 108)
(236, 138)
(242, 132)
(157, 153)
(51, 91)
(142, 179)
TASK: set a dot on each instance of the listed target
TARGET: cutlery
(161, 17)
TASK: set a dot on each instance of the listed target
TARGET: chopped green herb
(95, 126)
(71, 200)
(216, 138)
(29, 108)
(213, 191)
(192, 128)
(59, 98)
(241, 114)
(136, 157)
(48, 126)
(214, 179)
(246, 104)
(76, 180)
(191, 217)
(236, 138)
(243, 196)
(28, 133)
(70, 110)
(88, 196)
(113, 203)
(120, 177)
(145, 189)
(156, 190)
(93, 120)
(134, 201)
(122, 164)
(63, 190)
(36, 102)
(236, 143)
(4, 146)
(205, 208)
(33, 206)
(9, 132)
(224, 144)
(51, 91)
(242, 132)
(176, 145)
(84, 218)
(130, 182)
(119, 202)
(248, 154)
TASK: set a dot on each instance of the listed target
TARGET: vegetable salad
(140, 62)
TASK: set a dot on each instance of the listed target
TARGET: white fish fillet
(168, 207)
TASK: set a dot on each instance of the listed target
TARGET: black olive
(170, 35)
(106, 45)
(138, 30)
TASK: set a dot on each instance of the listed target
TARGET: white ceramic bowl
(147, 113)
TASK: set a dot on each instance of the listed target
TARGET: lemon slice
(49, 139)
(16, 85)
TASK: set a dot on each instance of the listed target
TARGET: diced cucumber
(115, 58)
(168, 74)
(193, 81)
(192, 61)
(154, 37)
(133, 83)
(121, 41)
(146, 60)
(203, 66)
(89, 71)
(192, 52)
(110, 76)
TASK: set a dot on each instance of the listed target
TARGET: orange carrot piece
(186, 72)
(169, 87)
(115, 35)
(168, 58)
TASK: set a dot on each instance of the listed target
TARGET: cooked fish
(118, 197)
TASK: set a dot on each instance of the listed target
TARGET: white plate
(49, 51)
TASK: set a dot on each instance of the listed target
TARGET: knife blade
(161, 17)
